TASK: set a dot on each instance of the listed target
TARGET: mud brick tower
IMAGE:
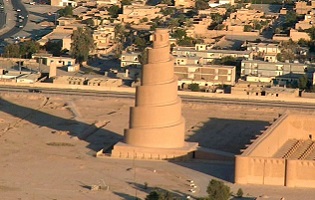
(156, 126)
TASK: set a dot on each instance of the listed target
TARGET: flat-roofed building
(63, 3)
(128, 59)
(208, 55)
(206, 75)
(48, 59)
(185, 3)
(69, 80)
(266, 50)
(104, 82)
(288, 72)
(135, 13)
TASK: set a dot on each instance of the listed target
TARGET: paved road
(2, 16)
(17, 4)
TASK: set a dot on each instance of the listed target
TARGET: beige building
(261, 71)
(215, 3)
(206, 75)
(303, 7)
(62, 32)
(308, 22)
(210, 11)
(284, 154)
(128, 59)
(245, 15)
(69, 80)
(208, 55)
(296, 35)
(48, 59)
(63, 3)
(185, 3)
(266, 50)
(103, 37)
(104, 82)
(136, 14)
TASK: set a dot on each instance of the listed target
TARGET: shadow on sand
(98, 140)
(221, 134)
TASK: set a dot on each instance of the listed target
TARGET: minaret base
(126, 151)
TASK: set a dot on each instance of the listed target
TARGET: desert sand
(48, 146)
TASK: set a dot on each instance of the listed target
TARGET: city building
(215, 3)
(261, 71)
(63, 3)
(136, 14)
(207, 54)
(185, 3)
(266, 50)
(206, 75)
(48, 59)
(303, 7)
(128, 59)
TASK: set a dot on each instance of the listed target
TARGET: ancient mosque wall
(301, 126)
(258, 170)
(271, 140)
(300, 173)
(256, 165)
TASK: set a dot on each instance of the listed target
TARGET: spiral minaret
(156, 125)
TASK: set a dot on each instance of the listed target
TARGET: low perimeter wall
(275, 171)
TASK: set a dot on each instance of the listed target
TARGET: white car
(32, 3)
(18, 10)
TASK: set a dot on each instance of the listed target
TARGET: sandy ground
(42, 157)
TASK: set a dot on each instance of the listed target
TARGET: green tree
(311, 32)
(179, 34)
(82, 44)
(201, 5)
(66, 12)
(302, 42)
(140, 42)
(28, 48)
(126, 2)
(240, 192)
(54, 47)
(168, 11)
(303, 82)
(290, 19)
(114, 10)
(217, 190)
(257, 25)
(89, 22)
(220, 27)
(143, 57)
(159, 195)
(217, 18)
(194, 87)
(248, 28)
(173, 23)
(167, 2)
(288, 50)
(277, 31)
(228, 60)
(12, 51)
